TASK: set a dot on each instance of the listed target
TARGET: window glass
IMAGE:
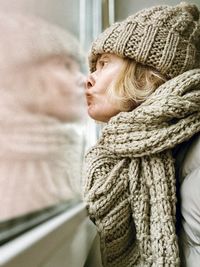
(45, 129)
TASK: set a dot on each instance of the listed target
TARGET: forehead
(112, 58)
(106, 55)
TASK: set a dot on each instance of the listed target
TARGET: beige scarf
(130, 179)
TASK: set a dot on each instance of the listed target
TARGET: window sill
(63, 241)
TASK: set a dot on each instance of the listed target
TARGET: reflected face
(61, 86)
(99, 105)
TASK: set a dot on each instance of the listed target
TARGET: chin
(99, 119)
(97, 116)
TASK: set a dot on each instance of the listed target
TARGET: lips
(89, 99)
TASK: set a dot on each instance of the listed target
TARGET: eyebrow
(103, 57)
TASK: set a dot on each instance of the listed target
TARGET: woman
(144, 83)
(42, 111)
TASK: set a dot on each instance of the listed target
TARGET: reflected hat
(164, 37)
(26, 38)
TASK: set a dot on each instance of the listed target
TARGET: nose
(90, 81)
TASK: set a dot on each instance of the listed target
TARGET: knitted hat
(164, 37)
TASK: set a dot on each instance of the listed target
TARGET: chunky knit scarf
(130, 179)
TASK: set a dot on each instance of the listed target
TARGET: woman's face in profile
(108, 68)
(61, 88)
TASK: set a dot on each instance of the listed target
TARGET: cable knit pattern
(130, 178)
(164, 37)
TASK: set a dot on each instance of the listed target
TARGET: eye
(102, 63)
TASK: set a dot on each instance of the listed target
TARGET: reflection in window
(45, 130)
(42, 116)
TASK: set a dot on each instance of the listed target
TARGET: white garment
(190, 204)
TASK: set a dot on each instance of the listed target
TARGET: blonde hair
(134, 84)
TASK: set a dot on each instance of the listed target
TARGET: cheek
(103, 81)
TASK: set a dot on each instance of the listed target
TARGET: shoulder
(188, 158)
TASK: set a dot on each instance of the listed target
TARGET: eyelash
(102, 62)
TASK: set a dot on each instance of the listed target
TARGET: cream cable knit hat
(164, 37)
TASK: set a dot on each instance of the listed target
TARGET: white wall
(124, 8)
